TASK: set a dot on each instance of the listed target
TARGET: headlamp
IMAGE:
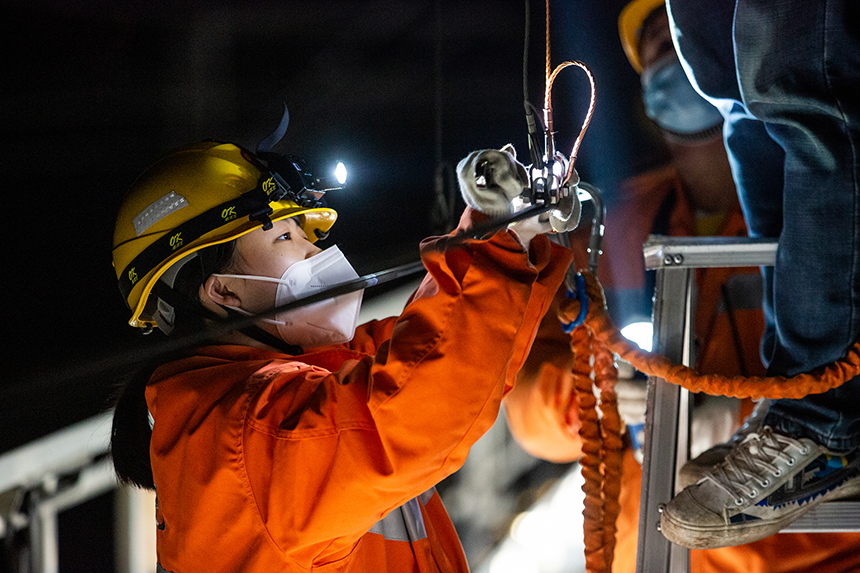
(288, 178)
(296, 180)
(340, 173)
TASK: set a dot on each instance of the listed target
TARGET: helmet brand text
(269, 185)
(176, 241)
(229, 213)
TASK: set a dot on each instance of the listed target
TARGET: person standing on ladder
(786, 78)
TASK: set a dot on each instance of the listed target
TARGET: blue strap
(583, 304)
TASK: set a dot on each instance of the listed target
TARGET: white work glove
(528, 229)
(490, 179)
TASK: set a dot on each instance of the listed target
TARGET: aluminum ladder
(667, 424)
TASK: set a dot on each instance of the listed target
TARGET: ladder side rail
(662, 437)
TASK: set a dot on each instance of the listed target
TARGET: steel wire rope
(593, 369)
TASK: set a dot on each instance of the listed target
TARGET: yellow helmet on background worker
(202, 195)
(630, 27)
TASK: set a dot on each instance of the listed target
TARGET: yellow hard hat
(630, 27)
(198, 196)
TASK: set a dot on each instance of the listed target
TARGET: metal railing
(62, 470)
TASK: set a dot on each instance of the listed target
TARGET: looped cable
(591, 102)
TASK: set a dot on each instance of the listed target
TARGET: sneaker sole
(720, 536)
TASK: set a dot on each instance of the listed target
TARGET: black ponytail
(131, 432)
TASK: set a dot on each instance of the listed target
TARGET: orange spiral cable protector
(602, 446)
(815, 382)
(606, 376)
(595, 558)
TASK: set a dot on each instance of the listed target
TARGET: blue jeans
(786, 76)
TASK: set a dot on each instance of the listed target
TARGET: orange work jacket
(729, 321)
(326, 462)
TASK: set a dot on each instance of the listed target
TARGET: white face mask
(330, 321)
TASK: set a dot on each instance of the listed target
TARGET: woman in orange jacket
(305, 443)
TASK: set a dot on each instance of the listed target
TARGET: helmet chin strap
(263, 336)
(179, 301)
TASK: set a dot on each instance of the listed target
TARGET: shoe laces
(754, 463)
(752, 423)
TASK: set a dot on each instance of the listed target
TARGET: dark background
(93, 91)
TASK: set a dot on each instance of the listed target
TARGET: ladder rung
(701, 252)
(828, 517)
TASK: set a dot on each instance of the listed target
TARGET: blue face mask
(671, 101)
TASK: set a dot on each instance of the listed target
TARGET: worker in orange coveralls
(306, 443)
(694, 195)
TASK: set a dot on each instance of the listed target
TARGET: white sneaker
(694, 470)
(765, 482)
